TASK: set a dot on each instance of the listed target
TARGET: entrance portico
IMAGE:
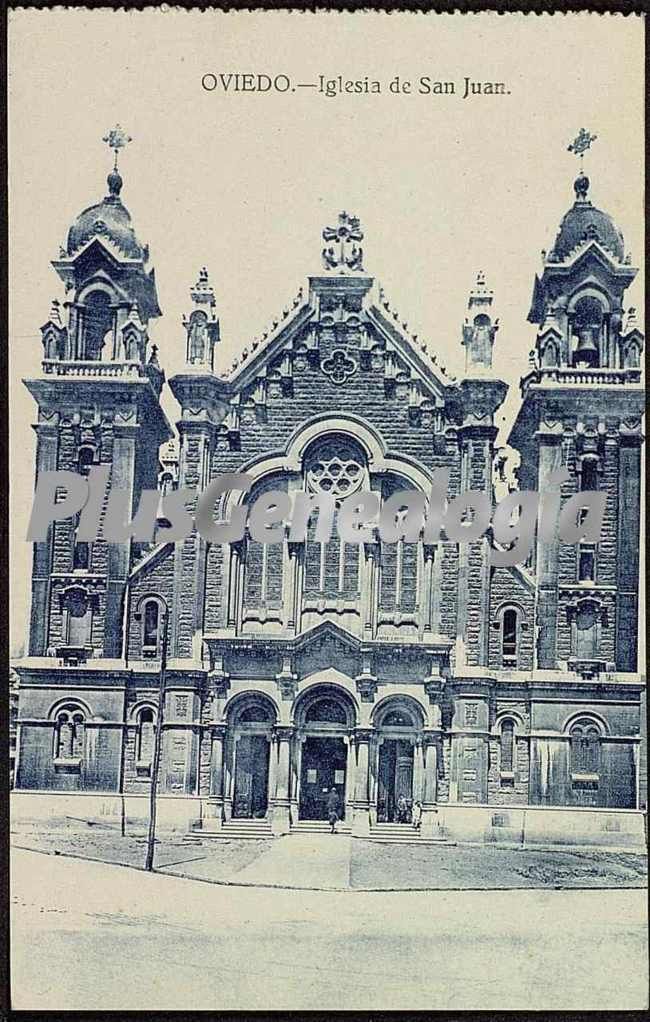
(396, 766)
(250, 761)
(325, 717)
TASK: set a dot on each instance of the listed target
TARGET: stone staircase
(319, 827)
(404, 834)
(238, 830)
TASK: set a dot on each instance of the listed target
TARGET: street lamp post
(157, 746)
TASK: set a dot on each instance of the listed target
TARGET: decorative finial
(348, 256)
(578, 147)
(581, 143)
(631, 320)
(153, 357)
(116, 139)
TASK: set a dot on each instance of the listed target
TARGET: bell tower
(98, 404)
(582, 407)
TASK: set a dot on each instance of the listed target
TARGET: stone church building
(493, 696)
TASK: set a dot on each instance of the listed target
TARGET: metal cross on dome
(116, 139)
(581, 143)
(348, 256)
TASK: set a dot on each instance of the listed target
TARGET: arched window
(335, 465)
(69, 734)
(585, 752)
(97, 320)
(255, 714)
(77, 604)
(507, 760)
(550, 355)
(586, 632)
(165, 483)
(587, 323)
(151, 617)
(631, 356)
(589, 474)
(509, 637)
(586, 562)
(85, 459)
(145, 739)
(264, 562)
(81, 556)
(327, 711)
(398, 587)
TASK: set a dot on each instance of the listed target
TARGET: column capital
(366, 686)
(218, 730)
(283, 733)
(363, 734)
(219, 682)
(430, 737)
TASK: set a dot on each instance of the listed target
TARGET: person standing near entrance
(402, 810)
(416, 815)
(333, 809)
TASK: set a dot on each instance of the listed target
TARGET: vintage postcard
(327, 680)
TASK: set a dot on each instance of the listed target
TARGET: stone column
(215, 803)
(230, 752)
(296, 764)
(430, 783)
(273, 772)
(349, 779)
(281, 820)
(418, 771)
(361, 821)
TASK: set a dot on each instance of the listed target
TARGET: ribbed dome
(582, 222)
(109, 217)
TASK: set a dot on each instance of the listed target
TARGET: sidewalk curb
(337, 890)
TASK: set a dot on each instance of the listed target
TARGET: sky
(244, 183)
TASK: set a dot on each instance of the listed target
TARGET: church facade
(392, 672)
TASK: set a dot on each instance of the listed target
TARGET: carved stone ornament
(339, 367)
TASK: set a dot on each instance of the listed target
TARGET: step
(318, 827)
(403, 833)
(239, 830)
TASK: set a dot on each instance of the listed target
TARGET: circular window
(335, 467)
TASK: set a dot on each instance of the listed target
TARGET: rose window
(335, 466)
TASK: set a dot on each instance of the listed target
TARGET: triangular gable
(436, 380)
(326, 629)
(258, 355)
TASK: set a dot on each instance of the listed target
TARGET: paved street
(87, 935)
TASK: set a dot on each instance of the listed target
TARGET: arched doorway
(251, 722)
(325, 718)
(398, 725)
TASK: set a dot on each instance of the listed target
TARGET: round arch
(513, 715)
(137, 708)
(92, 288)
(388, 710)
(71, 702)
(327, 693)
(586, 717)
(240, 708)
(594, 292)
